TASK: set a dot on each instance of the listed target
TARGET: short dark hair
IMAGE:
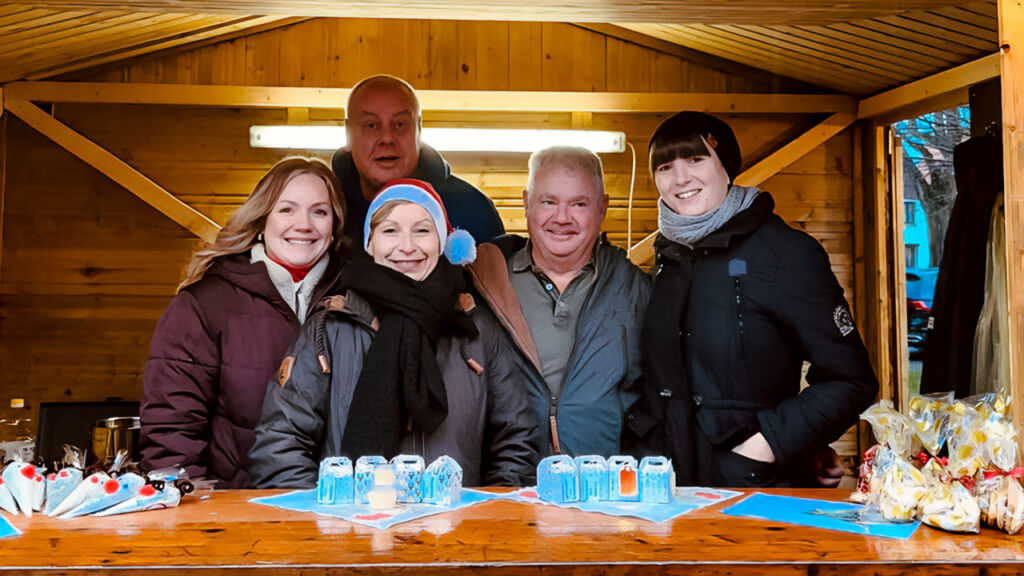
(689, 134)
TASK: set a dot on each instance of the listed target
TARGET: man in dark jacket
(571, 305)
(383, 124)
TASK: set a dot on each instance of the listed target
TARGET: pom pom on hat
(458, 245)
(460, 248)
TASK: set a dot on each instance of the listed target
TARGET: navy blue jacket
(468, 208)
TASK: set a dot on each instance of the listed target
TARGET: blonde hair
(246, 223)
(383, 212)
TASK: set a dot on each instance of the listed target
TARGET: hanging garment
(991, 362)
(960, 288)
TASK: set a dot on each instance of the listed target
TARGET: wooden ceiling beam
(461, 100)
(757, 174)
(934, 86)
(114, 168)
(735, 11)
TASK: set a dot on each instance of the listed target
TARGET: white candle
(384, 475)
(382, 498)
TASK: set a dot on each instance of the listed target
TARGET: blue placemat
(6, 529)
(686, 500)
(841, 516)
(305, 501)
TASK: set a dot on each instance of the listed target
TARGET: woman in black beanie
(741, 300)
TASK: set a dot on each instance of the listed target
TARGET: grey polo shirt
(552, 317)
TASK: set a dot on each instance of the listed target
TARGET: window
(911, 255)
(909, 209)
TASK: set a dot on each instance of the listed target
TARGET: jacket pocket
(742, 472)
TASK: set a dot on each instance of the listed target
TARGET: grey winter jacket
(489, 430)
(602, 377)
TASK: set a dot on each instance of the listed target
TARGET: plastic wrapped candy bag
(1001, 499)
(903, 487)
(874, 464)
(950, 507)
(930, 415)
(1000, 442)
(969, 442)
(891, 428)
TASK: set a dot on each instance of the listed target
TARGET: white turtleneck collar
(295, 294)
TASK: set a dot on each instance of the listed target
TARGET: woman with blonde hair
(241, 305)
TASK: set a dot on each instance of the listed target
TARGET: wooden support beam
(1011, 42)
(765, 169)
(937, 85)
(3, 188)
(795, 150)
(880, 254)
(898, 260)
(114, 168)
(460, 100)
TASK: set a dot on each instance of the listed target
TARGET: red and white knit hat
(459, 246)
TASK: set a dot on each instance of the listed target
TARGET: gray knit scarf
(689, 230)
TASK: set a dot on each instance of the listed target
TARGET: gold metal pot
(111, 435)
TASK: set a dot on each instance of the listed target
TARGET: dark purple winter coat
(215, 348)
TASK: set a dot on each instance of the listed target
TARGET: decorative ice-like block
(557, 480)
(657, 479)
(408, 476)
(364, 476)
(442, 482)
(334, 485)
(624, 484)
(593, 473)
(59, 485)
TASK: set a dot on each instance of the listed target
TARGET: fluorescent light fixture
(444, 139)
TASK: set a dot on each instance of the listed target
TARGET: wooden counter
(226, 534)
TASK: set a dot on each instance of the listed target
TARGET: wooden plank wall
(88, 268)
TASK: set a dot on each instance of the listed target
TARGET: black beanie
(717, 133)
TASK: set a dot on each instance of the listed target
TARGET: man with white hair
(571, 305)
(383, 123)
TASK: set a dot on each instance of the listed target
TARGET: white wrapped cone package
(20, 480)
(115, 491)
(87, 489)
(38, 492)
(7, 499)
(147, 498)
(59, 485)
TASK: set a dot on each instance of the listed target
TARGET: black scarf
(400, 384)
(665, 375)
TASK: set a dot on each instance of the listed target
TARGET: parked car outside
(920, 292)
